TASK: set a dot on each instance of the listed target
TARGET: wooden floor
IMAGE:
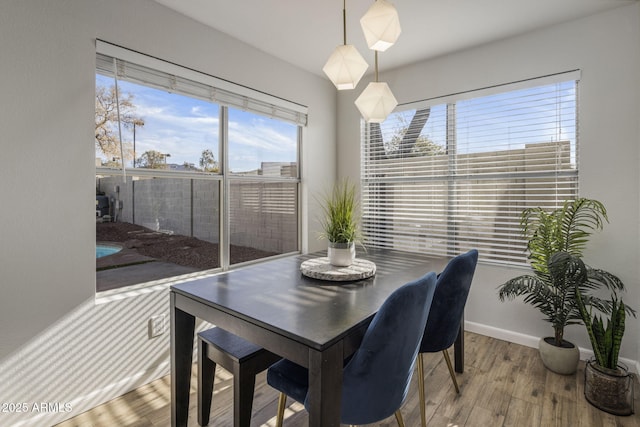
(503, 384)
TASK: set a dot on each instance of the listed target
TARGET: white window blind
(142, 69)
(444, 177)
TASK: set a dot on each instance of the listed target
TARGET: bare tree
(107, 140)
(407, 140)
(426, 147)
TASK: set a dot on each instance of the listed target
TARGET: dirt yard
(173, 248)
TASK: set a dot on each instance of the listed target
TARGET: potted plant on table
(563, 230)
(340, 223)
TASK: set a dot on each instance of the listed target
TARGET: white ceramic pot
(561, 360)
(341, 254)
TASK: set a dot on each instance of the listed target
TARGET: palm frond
(564, 229)
(578, 219)
(555, 241)
(537, 293)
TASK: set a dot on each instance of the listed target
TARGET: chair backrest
(448, 304)
(376, 379)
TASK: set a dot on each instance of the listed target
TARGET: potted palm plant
(563, 230)
(340, 223)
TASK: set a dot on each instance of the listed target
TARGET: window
(448, 175)
(192, 173)
(263, 160)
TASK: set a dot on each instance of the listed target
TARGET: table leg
(458, 348)
(182, 330)
(325, 379)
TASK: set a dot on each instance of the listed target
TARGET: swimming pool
(104, 250)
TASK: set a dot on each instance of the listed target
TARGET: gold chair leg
(453, 375)
(422, 403)
(282, 403)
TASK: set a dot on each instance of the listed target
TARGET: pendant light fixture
(345, 67)
(376, 102)
(381, 25)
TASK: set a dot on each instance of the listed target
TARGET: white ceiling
(305, 32)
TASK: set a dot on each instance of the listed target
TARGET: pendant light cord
(376, 66)
(344, 21)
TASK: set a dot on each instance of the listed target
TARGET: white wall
(56, 344)
(605, 48)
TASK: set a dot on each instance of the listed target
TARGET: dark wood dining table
(311, 322)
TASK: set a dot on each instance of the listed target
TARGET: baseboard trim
(532, 341)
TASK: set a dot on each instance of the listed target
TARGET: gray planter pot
(341, 254)
(561, 360)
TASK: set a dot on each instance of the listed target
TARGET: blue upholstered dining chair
(376, 378)
(445, 315)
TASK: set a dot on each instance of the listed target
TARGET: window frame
(376, 204)
(225, 94)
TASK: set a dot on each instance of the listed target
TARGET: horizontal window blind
(243, 197)
(141, 69)
(442, 178)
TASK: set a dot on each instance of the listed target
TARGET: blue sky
(506, 120)
(183, 127)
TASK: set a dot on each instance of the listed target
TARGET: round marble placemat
(320, 268)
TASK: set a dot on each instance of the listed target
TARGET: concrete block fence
(262, 215)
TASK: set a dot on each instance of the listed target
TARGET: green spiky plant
(605, 341)
(340, 208)
(563, 230)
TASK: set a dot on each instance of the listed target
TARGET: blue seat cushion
(290, 378)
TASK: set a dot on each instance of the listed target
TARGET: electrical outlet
(157, 325)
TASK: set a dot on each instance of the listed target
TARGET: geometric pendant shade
(345, 67)
(381, 25)
(376, 102)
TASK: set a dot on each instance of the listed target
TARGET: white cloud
(184, 127)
